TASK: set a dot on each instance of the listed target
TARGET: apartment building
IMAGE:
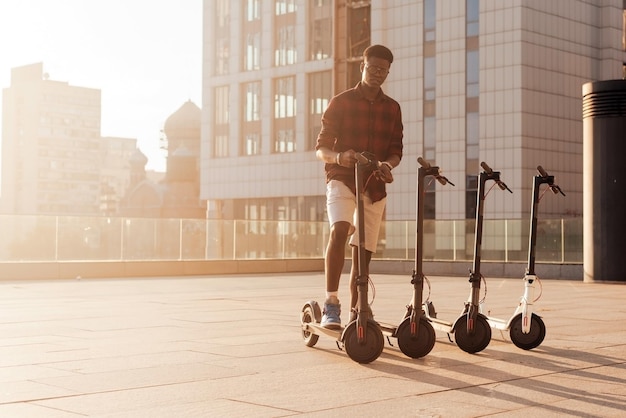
(498, 81)
(54, 161)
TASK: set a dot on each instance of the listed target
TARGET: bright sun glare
(144, 55)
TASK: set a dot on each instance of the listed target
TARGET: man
(360, 119)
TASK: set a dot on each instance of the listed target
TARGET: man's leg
(335, 255)
(334, 261)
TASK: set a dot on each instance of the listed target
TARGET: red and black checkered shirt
(353, 122)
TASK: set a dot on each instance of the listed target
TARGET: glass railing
(74, 238)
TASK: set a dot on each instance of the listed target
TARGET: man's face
(374, 71)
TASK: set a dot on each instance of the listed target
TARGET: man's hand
(384, 173)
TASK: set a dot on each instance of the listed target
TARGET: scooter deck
(316, 328)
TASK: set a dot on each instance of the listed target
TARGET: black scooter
(471, 330)
(363, 338)
(526, 329)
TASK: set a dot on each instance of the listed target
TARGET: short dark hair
(378, 51)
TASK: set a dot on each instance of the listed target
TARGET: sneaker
(332, 311)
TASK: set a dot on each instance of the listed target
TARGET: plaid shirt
(353, 122)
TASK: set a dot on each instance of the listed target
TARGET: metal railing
(74, 238)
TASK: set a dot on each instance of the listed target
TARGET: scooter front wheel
(368, 351)
(419, 345)
(534, 337)
(477, 340)
(311, 312)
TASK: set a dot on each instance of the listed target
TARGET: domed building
(178, 194)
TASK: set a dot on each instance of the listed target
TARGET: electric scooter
(526, 329)
(415, 334)
(363, 338)
(471, 330)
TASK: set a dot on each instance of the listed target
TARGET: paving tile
(232, 346)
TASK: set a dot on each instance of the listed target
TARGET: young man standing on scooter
(360, 119)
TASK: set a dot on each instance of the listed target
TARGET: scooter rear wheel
(419, 345)
(476, 341)
(364, 352)
(311, 312)
(531, 340)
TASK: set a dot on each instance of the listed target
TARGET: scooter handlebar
(554, 187)
(541, 171)
(423, 162)
(362, 159)
(485, 167)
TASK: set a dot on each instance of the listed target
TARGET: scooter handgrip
(362, 158)
(486, 167)
(542, 171)
(423, 162)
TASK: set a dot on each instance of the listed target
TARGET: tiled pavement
(231, 346)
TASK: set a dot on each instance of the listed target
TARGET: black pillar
(604, 180)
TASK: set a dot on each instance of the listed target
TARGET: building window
(320, 29)
(472, 73)
(284, 114)
(285, 52)
(220, 148)
(359, 29)
(429, 92)
(252, 10)
(252, 144)
(430, 20)
(251, 28)
(472, 14)
(222, 36)
(472, 115)
(222, 119)
(471, 196)
(430, 77)
(251, 129)
(320, 91)
(285, 6)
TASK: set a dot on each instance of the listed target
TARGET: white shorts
(341, 206)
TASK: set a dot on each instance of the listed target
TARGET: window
(320, 30)
(222, 119)
(471, 15)
(285, 52)
(251, 28)
(284, 114)
(430, 20)
(285, 6)
(320, 91)
(472, 93)
(430, 77)
(359, 30)
(472, 73)
(472, 138)
(251, 127)
(222, 36)
(252, 10)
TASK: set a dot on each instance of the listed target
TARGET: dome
(184, 123)
(138, 159)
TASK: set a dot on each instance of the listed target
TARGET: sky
(145, 56)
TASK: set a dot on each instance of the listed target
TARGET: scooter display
(471, 330)
(526, 329)
(363, 338)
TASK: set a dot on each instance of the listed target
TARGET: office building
(478, 80)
